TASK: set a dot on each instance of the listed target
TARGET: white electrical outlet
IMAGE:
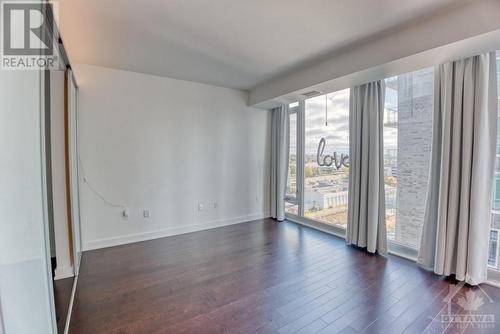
(145, 213)
(200, 206)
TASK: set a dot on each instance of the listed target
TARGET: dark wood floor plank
(256, 277)
(62, 297)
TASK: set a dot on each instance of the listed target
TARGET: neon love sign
(329, 160)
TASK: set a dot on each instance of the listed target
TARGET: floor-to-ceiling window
(325, 148)
(493, 249)
(318, 177)
(495, 217)
(326, 161)
(391, 154)
(407, 145)
(291, 203)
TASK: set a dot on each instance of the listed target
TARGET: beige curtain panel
(366, 209)
(457, 220)
(279, 160)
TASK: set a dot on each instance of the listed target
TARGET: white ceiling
(231, 43)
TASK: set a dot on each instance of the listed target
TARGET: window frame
(494, 271)
(294, 110)
(300, 218)
(496, 251)
(394, 247)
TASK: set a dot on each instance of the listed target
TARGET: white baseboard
(493, 278)
(63, 272)
(150, 235)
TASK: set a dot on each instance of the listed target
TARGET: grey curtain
(366, 210)
(279, 160)
(457, 220)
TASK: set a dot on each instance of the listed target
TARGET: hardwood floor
(62, 298)
(265, 277)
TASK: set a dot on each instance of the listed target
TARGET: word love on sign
(329, 160)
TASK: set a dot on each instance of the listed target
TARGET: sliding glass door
(318, 173)
(326, 159)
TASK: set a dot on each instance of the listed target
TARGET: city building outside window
(291, 204)
(495, 214)
(493, 248)
(408, 114)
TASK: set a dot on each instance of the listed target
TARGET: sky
(336, 133)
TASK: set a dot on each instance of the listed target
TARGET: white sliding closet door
(73, 171)
(26, 294)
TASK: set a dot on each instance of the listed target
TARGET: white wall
(166, 145)
(64, 268)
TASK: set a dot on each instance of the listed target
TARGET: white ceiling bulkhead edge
(464, 31)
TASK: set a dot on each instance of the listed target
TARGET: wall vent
(312, 93)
